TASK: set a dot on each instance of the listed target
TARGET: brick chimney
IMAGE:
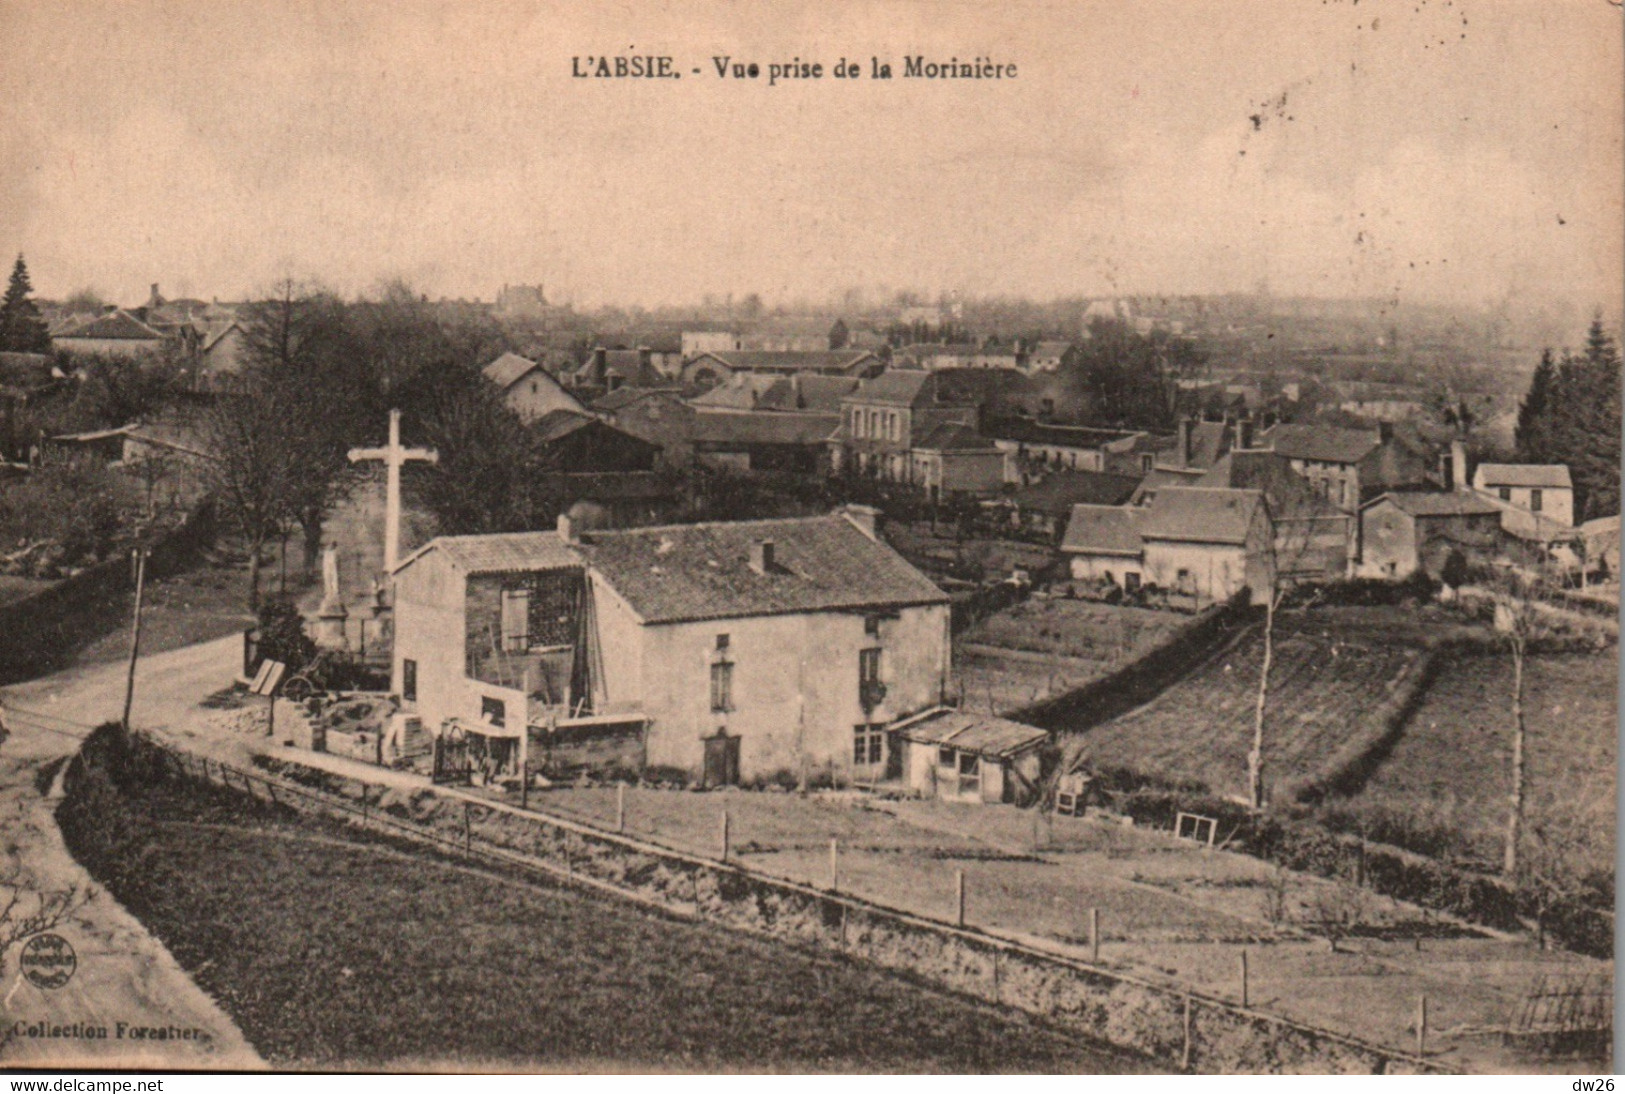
(567, 529)
(761, 556)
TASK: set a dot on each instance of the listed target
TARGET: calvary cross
(394, 457)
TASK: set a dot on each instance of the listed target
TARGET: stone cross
(393, 457)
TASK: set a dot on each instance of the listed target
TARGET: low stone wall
(1191, 1031)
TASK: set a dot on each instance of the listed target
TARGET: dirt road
(127, 1004)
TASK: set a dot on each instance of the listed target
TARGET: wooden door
(721, 760)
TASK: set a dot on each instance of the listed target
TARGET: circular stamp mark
(48, 961)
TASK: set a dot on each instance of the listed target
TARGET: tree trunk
(1255, 758)
(312, 529)
(255, 546)
(1509, 863)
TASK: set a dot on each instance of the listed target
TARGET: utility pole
(138, 559)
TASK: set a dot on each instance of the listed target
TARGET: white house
(729, 650)
(530, 390)
(1204, 542)
(1536, 500)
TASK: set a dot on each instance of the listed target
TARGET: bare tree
(1515, 593)
(1298, 528)
(253, 470)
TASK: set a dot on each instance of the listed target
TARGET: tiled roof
(818, 360)
(623, 397)
(508, 369)
(1051, 349)
(561, 423)
(1421, 504)
(702, 571)
(1327, 444)
(745, 427)
(1545, 475)
(115, 325)
(1059, 492)
(897, 387)
(978, 733)
(954, 437)
(1103, 530)
(1026, 431)
(1199, 514)
(504, 553)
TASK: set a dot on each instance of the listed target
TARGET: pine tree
(1533, 413)
(22, 330)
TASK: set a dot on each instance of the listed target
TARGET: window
(494, 711)
(516, 619)
(1145, 463)
(1534, 501)
(970, 773)
(871, 626)
(722, 641)
(868, 666)
(1131, 580)
(409, 680)
(1505, 492)
(945, 757)
(868, 744)
(722, 683)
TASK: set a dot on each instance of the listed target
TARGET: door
(721, 760)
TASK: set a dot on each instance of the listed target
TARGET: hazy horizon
(1465, 154)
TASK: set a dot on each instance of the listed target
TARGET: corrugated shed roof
(702, 571)
(982, 734)
(521, 552)
(1552, 476)
(1103, 530)
(1327, 444)
(508, 369)
(1200, 514)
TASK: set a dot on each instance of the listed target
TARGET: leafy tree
(22, 330)
(116, 391)
(489, 477)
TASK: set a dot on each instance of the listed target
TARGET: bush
(282, 634)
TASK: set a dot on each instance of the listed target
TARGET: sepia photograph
(866, 537)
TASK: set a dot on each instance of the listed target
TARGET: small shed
(958, 756)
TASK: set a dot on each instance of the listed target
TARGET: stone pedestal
(329, 633)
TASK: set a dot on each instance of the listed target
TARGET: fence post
(364, 789)
(620, 807)
(1421, 1025)
(724, 835)
(959, 896)
(1244, 996)
(1094, 934)
(834, 858)
(1185, 1051)
(468, 828)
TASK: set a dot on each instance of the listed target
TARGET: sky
(1448, 151)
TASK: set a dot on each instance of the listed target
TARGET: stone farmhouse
(528, 389)
(1536, 500)
(729, 650)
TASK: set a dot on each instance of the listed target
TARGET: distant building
(1346, 466)
(710, 368)
(1046, 356)
(727, 650)
(696, 342)
(116, 333)
(889, 417)
(759, 441)
(579, 443)
(528, 389)
(1044, 507)
(658, 415)
(1536, 500)
(1035, 449)
(1409, 531)
(1202, 542)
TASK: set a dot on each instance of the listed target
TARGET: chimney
(1244, 433)
(600, 361)
(567, 529)
(795, 390)
(761, 556)
(865, 517)
(1458, 465)
(1182, 458)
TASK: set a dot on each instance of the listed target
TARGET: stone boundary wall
(1188, 1030)
(39, 631)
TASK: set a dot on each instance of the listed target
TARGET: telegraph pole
(138, 558)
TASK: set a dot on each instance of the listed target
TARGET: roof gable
(509, 369)
(1551, 476)
(1199, 514)
(1103, 530)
